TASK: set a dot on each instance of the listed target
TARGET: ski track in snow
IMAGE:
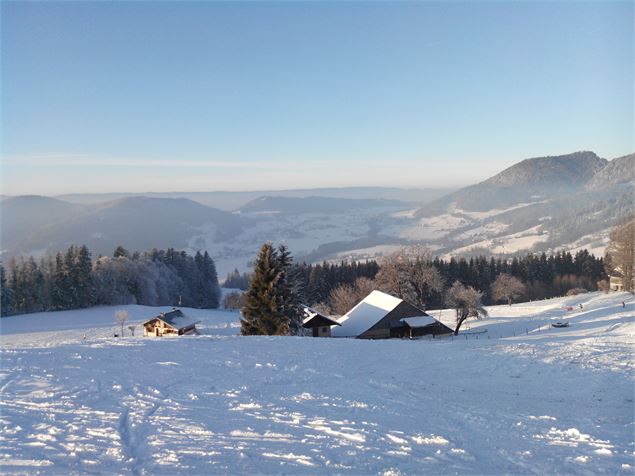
(555, 401)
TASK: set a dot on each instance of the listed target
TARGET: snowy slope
(548, 402)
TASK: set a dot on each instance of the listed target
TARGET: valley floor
(530, 399)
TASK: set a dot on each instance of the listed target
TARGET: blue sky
(175, 96)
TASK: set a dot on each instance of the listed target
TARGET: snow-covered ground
(528, 399)
(523, 240)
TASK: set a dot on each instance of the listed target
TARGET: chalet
(380, 316)
(616, 280)
(318, 322)
(173, 323)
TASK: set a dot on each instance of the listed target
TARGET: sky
(201, 96)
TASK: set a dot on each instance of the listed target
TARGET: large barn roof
(366, 314)
(176, 319)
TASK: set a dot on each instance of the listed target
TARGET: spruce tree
(263, 313)
(120, 251)
(6, 298)
(60, 287)
(289, 291)
(210, 276)
(83, 278)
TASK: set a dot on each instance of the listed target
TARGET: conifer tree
(60, 298)
(263, 313)
(288, 288)
(6, 307)
(83, 278)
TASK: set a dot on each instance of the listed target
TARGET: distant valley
(547, 203)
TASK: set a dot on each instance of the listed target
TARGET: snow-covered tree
(264, 313)
(121, 317)
(289, 291)
(394, 277)
(234, 300)
(410, 276)
(82, 274)
(507, 287)
(467, 302)
(6, 295)
(621, 252)
(343, 298)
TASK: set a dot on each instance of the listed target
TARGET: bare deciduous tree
(121, 317)
(507, 287)
(467, 302)
(234, 300)
(132, 329)
(323, 308)
(343, 298)
(425, 279)
(407, 275)
(621, 252)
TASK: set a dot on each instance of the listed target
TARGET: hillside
(229, 201)
(528, 181)
(137, 223)
(546, 401)
(539, 204)
(26, 215)
(299, 205)
(620, 171)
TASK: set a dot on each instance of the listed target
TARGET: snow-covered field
(528, 399)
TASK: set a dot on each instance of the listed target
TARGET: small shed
(418, 326)
(173, 323)
(318, 322)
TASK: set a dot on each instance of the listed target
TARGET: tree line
(424, 280)
(73, 280)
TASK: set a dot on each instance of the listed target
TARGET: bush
(604, 286)
(576, 291)
(234, 300)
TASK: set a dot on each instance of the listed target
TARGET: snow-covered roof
(309, 314)
(419, 321)
(176, 319)
(366, 314)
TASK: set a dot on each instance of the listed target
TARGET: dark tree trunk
(459, 322)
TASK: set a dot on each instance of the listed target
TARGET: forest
(543, 275)
(73, 280)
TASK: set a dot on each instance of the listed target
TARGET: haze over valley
(539, 204)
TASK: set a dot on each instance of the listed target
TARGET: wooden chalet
(616, 280)
(381, 316)
(318, 322)
(173, 323)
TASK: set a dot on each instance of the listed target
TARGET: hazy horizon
(187, 97)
